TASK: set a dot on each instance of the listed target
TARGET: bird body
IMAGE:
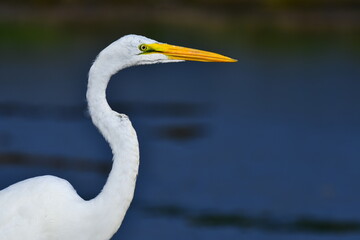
(48, 207)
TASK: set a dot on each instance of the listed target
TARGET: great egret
(48, 207)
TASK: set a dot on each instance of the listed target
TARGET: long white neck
(112, 203)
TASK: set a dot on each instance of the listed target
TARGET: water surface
(266, 148)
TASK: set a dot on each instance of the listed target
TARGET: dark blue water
(266, 148)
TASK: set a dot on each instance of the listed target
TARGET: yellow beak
(189, 54)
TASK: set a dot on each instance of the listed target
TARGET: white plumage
(48, 207)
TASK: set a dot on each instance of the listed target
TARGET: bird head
(138, 50)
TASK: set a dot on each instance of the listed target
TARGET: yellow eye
(143, 47)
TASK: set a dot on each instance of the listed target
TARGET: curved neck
(113, 201)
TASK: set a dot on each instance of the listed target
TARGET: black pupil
(143, 47)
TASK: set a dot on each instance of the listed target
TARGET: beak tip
(231, 60)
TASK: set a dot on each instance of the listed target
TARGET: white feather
(47, 207)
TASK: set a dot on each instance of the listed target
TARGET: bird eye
(143, 47)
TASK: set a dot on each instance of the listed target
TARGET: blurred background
(265, 148)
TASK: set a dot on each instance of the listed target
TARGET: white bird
(48, 207)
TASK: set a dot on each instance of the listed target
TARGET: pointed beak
(189, 54)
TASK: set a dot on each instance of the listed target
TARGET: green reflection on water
(266, 222)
